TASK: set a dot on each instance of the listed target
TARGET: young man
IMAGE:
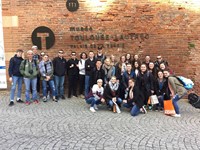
(37, 58)
(98, 73)
(29, 69)
(46, 71)
(15, 76)
(89, 67)
(100, 55)
(73, 72)
(60, 69)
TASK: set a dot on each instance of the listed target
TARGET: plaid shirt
(36, 57)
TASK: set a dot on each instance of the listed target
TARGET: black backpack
(194, 100)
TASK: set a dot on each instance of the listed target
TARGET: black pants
(81, 84)
(72, 88)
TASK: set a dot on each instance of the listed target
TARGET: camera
(31, 71)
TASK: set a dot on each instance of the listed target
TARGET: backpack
(194, 100)
(187, 83)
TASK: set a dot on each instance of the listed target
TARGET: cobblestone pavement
(69, 124)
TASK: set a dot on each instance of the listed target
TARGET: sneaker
(92, 109)
(54, 99)
(144, 110)
(36, 101)
(20, 101)
(44, 99)
(48, 96)
(11, 103)
(176, 115)
(95, 107)
(28, 103)
(62, 97)
(82, 96)
(57, 97)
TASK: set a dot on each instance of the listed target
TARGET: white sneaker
(177, 115)
(92, 109)
(44, 99)
(144, 110)
(95, 107)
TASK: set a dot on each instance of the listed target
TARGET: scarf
(113, 87)
(46, 68)
(109, 71)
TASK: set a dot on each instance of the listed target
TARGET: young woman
(121, 68)
(136, 68)
(128, 74)
(128, 101)
(144, 82)
(161, 86)
(113, 60)
(111, 92)
(95, 97)
(128, 58)
(81, 66)
(177, 92)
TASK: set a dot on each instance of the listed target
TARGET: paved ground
(69, 124)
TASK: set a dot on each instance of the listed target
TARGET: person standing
(46, 71)
(100, 55)
(81, 66)
(37, 58)
(60, 69)
(29, 69)
(98, 73)
(177, 92)
(15, 76)
(73, 73)
(89, 67)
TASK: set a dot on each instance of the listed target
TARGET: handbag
(154, 100)
(169, 107)
(116, 108)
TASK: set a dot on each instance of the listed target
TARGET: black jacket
(89, 66)
(14, 66)
(60, 66)
(109, 94)
(74, 70)
(97, 74)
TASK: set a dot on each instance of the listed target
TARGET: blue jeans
(135, 110)
(59, 82)
(175, 102)
(92, 101)
(87, 85)
(110, 102)
(128, 105)
(161, 99)
(52, 87)
(16, 81)
(33, 83)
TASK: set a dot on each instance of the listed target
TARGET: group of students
(128, 82)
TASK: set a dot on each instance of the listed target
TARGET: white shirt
(81, 66)
(97, 92)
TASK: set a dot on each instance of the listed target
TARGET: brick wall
(154, 27)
